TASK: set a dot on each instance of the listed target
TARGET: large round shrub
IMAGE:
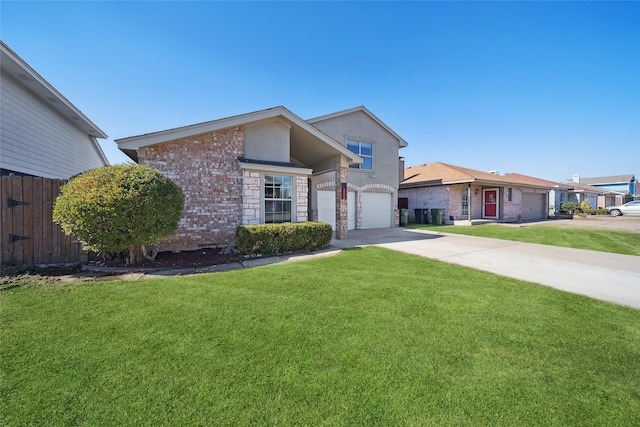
(118, 208)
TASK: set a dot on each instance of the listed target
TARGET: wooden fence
(29, 235)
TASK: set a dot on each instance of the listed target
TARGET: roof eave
(429, 183)
(66, 107)
(139, 141)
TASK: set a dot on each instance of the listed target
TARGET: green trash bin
(404, 217)
(436, 216)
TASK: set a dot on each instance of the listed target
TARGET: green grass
(366, 337)
(615, 241)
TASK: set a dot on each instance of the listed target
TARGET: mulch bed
(171, 260)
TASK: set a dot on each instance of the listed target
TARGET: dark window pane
(269, 206)
(366, 149)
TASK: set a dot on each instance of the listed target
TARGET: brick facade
(511, 209)
(449, 198)
(206, 168)
(426, 198)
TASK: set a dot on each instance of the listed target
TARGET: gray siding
(37, 140)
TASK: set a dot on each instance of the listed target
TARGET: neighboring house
(271, 166)
(468, 195)
(625, 185)
(597, 197)
(42, 133)
(558, 193)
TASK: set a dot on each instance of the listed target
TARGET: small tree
(125, 207)
(570, 207)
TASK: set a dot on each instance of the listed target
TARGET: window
(365, 150)
(277, 198)
(509, 194)
(465, 201)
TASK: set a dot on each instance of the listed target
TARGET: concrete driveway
(605, 276)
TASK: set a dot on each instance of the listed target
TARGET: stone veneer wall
(302, 199)
(206, 168)
(251, 197)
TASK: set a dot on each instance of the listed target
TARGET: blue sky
(546, 89)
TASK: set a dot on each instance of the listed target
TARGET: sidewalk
(605, 276)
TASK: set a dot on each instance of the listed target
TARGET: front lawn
(366, 337)
(615, 241)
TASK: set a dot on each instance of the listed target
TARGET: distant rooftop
(615, 179)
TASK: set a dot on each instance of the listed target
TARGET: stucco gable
(357, 111)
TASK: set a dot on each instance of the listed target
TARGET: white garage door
(327, 208)
(376, 210)
(534, 206)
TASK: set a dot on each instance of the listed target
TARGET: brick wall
(425, 198)
(511, 209)
(206, 168)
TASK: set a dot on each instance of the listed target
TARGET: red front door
(490, 203)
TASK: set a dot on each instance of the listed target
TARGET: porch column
(341, 201)
(470, 205)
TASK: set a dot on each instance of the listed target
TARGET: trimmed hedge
(600, 211)
(267, 239)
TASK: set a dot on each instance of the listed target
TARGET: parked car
(629, 208)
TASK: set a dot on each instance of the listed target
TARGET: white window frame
(265, 199)
(466, 192)
(359, 142)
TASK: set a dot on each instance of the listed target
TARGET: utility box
(422, 216)
(436, 216)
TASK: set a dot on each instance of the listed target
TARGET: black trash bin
(422, 216)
